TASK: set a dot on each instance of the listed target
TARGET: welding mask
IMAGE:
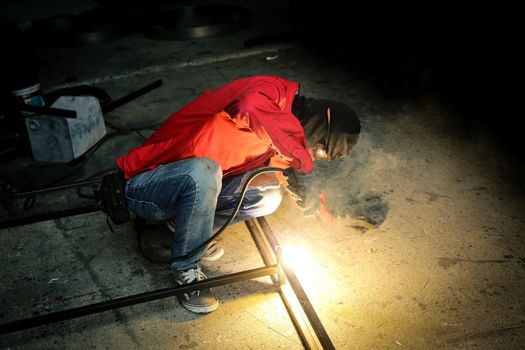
(331, 128)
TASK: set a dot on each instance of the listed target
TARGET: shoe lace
(192, 275)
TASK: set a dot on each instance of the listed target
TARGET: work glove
(303, 190)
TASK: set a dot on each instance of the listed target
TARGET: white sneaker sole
(214, 257)
(200, 309)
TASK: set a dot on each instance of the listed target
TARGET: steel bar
(57, 112)
(130, 97)
(134, 299)
(47, 216)
(297, 317)
(308, 309)
(57, 188)
(261, 245)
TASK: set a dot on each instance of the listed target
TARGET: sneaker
(214, 252)
(199, 301)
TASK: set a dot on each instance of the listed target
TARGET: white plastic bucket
(31, 95)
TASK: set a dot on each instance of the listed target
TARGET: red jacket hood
(262, 104)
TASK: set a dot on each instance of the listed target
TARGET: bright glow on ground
(295, 256)
(316, 275)
(303, 263)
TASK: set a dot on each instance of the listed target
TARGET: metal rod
(57, 112)
(57, 188)
(130, 97)
(298, 319)
(308, 309)
(134, 299)
(261, 245)
(47, 216)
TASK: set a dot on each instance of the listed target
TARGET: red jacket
(240, 125)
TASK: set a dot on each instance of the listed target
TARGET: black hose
(245, 185)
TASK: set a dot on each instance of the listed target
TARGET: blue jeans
(194, 199)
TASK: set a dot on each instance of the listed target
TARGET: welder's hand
(307, 199)
(310, 208)
(308, 204)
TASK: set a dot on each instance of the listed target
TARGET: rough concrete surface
(444, 270)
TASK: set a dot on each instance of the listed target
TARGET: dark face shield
(320, 149)
(325, 150)
(331, 128)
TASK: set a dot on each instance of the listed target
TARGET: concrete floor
(445, 270)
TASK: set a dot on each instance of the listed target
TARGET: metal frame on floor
(304, 318)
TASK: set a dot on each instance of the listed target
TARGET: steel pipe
(48, 216)
(84, 183)
(131, 96)
(134, 299)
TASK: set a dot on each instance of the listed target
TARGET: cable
(244, 188)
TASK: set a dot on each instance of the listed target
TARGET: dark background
(467, 56)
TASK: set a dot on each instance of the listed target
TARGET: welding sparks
(312, 269)
(304, 265)
(295, 256)
(325, 216)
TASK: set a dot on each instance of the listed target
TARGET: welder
(190, 171)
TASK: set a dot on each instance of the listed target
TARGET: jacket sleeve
(279, 128)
